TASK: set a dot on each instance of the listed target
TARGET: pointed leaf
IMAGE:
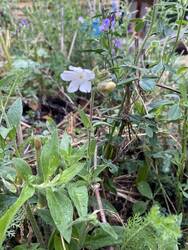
(147, 84)
(6, 219)
(85, 119)
(61, 211)
(174, 113)
(69, 173)
(22, 168)
(144, 189)
(14, 113)
(79, 196)
(50, 158)
(109, 230)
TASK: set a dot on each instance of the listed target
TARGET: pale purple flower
(117, 43)
(105, 25)
(79, 79)
(81, 19)
(23, 22)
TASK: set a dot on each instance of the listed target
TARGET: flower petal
(85, 87)
(76, 69)
(68, 76)
(89, 74)
(73, 87)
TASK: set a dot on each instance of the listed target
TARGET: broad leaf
(4, 132)
(69, 173)
(109, 230)
(61, 211)
(85, 119)
(6, 219)
(14, 113)
(99, 238)
(50, 157)
(22, 168)
(147, 84)
(174, 113)
(66, 142)
(144, 189)
(79, 196)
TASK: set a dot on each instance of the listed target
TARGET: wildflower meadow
(93, 125)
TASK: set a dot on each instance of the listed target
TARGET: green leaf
(174, 113)
(14, 113)
(69, 173)
(34, 246)
(50, 157)
(139, 207)
(22, 168)
(142, 172)
(145, 190)
(96, 172)
(61, 211)
(45, 215)
(58, 243)
(109, 230)
(91, 148)
(100, 238)
(79, 195)
(147, 84)
(4, 132)
(25, 64)
(65, 143)
(6, 201)
(8, 216)
(85, 119)
(139, 25)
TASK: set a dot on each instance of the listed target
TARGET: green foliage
(79, 195)
(8, 216)
(61, 211)
(155, 231)
(50, 158)
(14, 113)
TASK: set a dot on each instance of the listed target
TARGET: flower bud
(37, 143)
(106, 87)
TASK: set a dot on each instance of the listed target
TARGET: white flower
(79, 79)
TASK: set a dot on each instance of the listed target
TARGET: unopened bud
(106, 87)
(37, 143)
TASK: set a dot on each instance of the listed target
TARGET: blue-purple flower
(117, 43)
(107, 24)
(96, 27)
(23, 22)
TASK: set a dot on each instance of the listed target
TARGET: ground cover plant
(93, 125)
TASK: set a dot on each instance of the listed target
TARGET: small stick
(96, 189)
(72, 44)
(62, 32)
(169, 88)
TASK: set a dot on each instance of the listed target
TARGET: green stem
(7, 99)
(34, 225)
(148, 33)
(5, 50)
(175, 45)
